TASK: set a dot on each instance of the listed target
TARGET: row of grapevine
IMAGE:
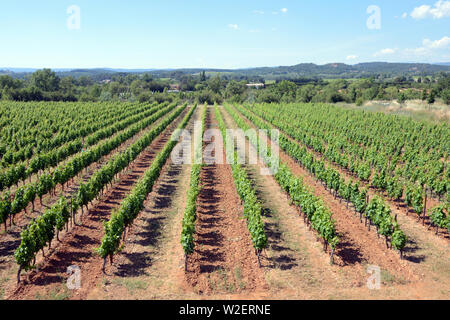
(385, 176)
(99, 180)
(315, 213)
(40, 232)
(413, 150)
(190, 212)
(440, 217)
(62, 174)
(22, 142)
(134, 202)
(395, 153)
(15, 174)
(252, 206)
(332, 180)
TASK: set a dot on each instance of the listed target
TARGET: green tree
(401, 98)
(215, 84)
(445, 95)
(424, 95)
(306, 93)
(45, 80)
(431, 98)
(203, 76)
(235, 90)
(67, 85)
(85, 81)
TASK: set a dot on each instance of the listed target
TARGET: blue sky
(220, 34)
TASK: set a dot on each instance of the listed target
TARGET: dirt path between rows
(151, 266)
(77, 248)
(224, 261)
(358, 247)
(427, 255)
(398, 208)
(296, 266)
(23, 218)
(10, 241)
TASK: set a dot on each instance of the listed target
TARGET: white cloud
(437, 44)
(417, 52)
(441, 9)
(352, 57)
(404, 15)
(283, 10)
(258, 11)
(384, 52)
(431, 50)
(255, 31)
(421, 12)
(233, 26)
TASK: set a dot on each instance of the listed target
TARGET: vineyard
(95, 187)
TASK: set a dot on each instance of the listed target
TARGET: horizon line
(209, 68)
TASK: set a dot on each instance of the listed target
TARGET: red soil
(224, 258)
(77, 247)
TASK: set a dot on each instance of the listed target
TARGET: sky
(220, 34)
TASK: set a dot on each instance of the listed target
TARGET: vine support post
(18, 275)
(259, 257)
(104, 265)
(424, 208)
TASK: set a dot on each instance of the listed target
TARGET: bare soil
(397, 207)
(224, 265)
(10, 240)
(78, 246)
(360, 248)
(224, 260)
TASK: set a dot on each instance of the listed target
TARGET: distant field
(416, 109)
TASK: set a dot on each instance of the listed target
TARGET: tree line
(46, 85)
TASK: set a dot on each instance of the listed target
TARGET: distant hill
(331, 70)
(341, 70)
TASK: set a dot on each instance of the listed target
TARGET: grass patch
(56, 294)
(441, 267)
(274, 281)
(132, 285)
(388, 279)
(238, 277)
(219, 281)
